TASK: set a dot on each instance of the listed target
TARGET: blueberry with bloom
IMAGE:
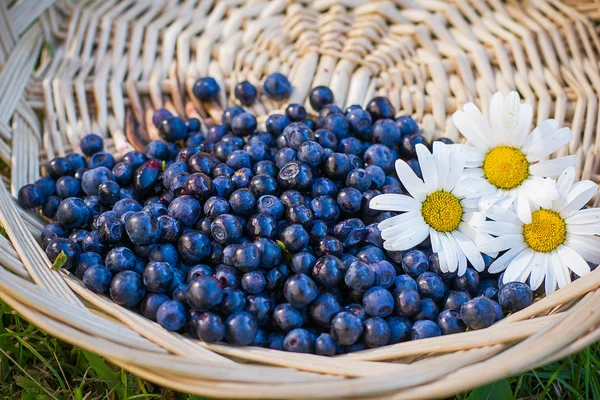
(439, 207)
(559, 238)
(505, 163)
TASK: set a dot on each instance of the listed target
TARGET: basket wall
(68, 68)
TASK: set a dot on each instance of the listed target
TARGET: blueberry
(325, 345)
(226, 229)
(265, 167)
(47, 186)
(310, 153)
(294, 238)
(262, 185)
(199, 186)
(170, 229)
(124, 205)
(186, 209)
(380, 107)
(415, 262)
(87, 260)
(450, 322)
(155, 208)
(30, 196)
(92, 179)
(156, 149)
(261, 225)
(210, 327)
(171, 315)
(135, 159)
(326, 139)
(285, 156)
(102, 159)
(515, 296)
(456, 299)
(297, 133)
(408, 303)
(300, 290)
(497, 311)
(325, 208)
(381, 156)
(319, 97)
(378, 302)
(204, 293)
(384, 273)
(349, 200)
(257, 150)
(359, 276)
(93, 242)
(91, 144)
(253, 282)
(206, 89)
(246, 257)
(242, 201)
(370, 254)
(376, 332)
(142, 228)
(323, 309)
(377, 176)
(73, 213)
(243, 124)
(385, 131)
(158, 276)
(146, 177)
(224, 186)
(346, 328)
(425, 329)
(323, 187)
(328, 245)
(286, 317)
(302, 263)
(337, 124)
(193, 247)
(431, 286)
(97, 278)
(469, 282)
(58, 167)
(359, 123)
(299, 341)
(295, 112)
(428, 309)
(277, 87)
(245, 92)
(120, 259)
(150, 304)
(434, 266)
(337, 166)
(407, 125)
(172, 129)
(350, 231)
(478, 313)
(327, 271)
(127, 289)
(242, 177)
(400, 328)
(409, 143)
(66, 186)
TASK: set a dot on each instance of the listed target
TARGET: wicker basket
(68, 68)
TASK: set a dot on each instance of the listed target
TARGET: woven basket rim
(103, 67)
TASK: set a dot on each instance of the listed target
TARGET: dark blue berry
(478, 313)
(277, 87)
(127, 289)
(325, 345)
(150, 304)
(425, 329)
(210, 327)
(378, 302)
(206, 89)
(294, 238)
(514, 296)
(469, 282)
(346, 328)
(91, 144)
(246, 93)
(400, 328)
(450, 322)
(193, 247)
(376, 332)
(299, 341)
(380, 107)
(30, 196)
(171, 315)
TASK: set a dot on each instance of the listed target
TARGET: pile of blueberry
(261, 238)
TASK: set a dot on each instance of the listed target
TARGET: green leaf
(101, 369)
(60, 261)
(494, 391)
(3, 232)
(286, 253)
(26, 383)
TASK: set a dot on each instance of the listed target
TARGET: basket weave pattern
(68, 68)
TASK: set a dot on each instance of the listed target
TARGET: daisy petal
(417, 234)
(537, 270)
(483, 127)
(561, 273)
(496, 113)
(550, 281)
(540, 131)
(587, 246)
(394, 202)
(585, 216)
(523, 209)
(588, 229)
(442, 160)
(573, 260)
(580, 194)
(521, 131)
(565, 182)
(549, 144)
(470, 250)
(436, 246)
(501, 243)
(470, 130)
(472, 173)
(553, 167)
(472, 188)
(450, 252)
(473, 156)
(518, 266)
(399, 224)
(428, 167)
(500, 214)
(502, 262)
(455, 168)
(411, 182)
(510, 119)
(499, 228)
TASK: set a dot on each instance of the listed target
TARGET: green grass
(35, 366)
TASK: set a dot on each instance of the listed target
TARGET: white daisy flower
(440, 207)
(505, 163)
(559, 238)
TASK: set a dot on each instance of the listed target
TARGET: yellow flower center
(546, 231)
(505, 167)
(442, 211)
